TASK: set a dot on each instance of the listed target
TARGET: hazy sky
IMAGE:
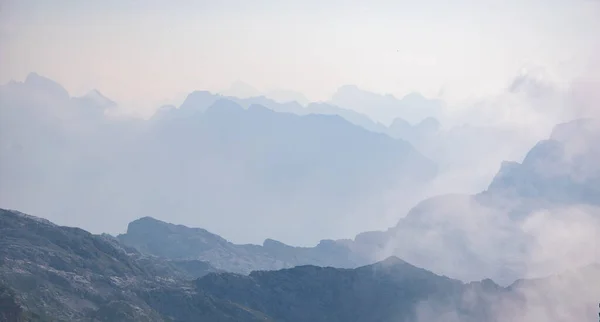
(142, 52)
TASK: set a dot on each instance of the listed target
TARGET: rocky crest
(54, 273)
(178, 242)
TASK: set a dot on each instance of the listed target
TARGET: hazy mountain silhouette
(275, 160)
(565, 168)
(178, 242)
(287, 107)
(385, 108)
(349, 115)
(286, 96)
(95, 99)
(505, 232)
(467, 154)
(489, 230)
(199, 101)
(288, 174)
(419, 134)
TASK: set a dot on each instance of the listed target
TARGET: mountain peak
(274, 244)
(46, 85)
(392, 261)
(98, 100)
(145, 223)
(34, 77)
(199, 100)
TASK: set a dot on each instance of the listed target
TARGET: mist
(458, 137)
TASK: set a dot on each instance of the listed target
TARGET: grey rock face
(178, 242)
(54, 273)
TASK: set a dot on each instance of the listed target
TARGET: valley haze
(299, 161)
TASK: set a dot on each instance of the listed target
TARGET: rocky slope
(503, 233)
(54, 273)
(178, 242)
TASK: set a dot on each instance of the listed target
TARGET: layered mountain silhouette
(513, 228)
(463, 151)
(207, 163)
(50, 272)
(504, 232)
(241, 89)
(200, 101)
(250, 168)
(563, 169)
(286, 96)
(413, 107)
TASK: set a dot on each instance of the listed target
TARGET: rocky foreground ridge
(55, 273)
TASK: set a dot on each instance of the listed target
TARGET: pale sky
(141, 53)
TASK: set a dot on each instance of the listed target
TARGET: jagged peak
(199, 100)
(96, 98)
(46, 84)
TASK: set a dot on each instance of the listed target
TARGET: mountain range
(178, 242)
(188, 164)
(517, 226)
(413, 107)
(467, 155)
(57, 273)
(504, 232)
(287, 172)
(247, 168)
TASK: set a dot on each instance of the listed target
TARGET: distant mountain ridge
(178, 242)
(441, 231)
(524, 210)
(413, 107)
(198, 163)
(199, 101)
(565, 168)
(291, 171)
